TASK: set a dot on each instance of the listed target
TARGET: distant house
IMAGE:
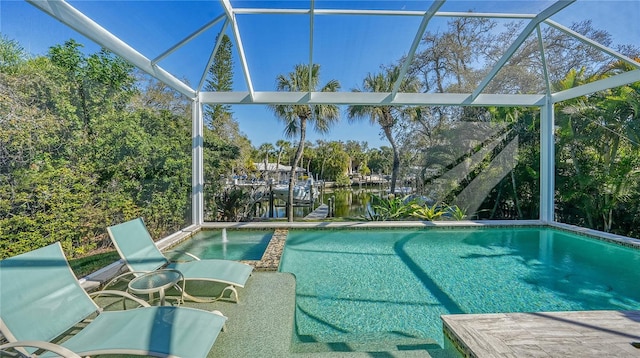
(281, 174)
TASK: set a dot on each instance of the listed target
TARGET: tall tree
(226, 148)
(356, 151)
(448, 60)
(334, 161)
(265, 150)
(304, 79)
(220, 79)
(12, 54)
(310, 153)
(99, 84)
(380, 160)
(283, 146)
(385, 116)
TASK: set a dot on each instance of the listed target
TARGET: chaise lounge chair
(141, 255)
(43, 302)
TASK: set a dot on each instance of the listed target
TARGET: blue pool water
(364, 284)
(240, 245)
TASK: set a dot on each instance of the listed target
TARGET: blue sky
(347, 47)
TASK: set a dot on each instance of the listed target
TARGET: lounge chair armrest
(192, 256)
(51, 347)
(122, 276)
(118, 278)
(120, 294)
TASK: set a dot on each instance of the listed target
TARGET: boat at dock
(302, 192)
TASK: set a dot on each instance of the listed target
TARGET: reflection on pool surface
(240, 244)
(366, 284)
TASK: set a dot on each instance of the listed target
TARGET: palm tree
(296, 116)
(310, 153)
(282, 145)
(266, 149)
(385, 116)
(602, 135)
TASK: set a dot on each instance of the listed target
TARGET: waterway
(347, 203)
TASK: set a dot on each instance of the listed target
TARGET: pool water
(364, 284)
(240, 244)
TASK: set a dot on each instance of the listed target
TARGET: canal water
(348, 203)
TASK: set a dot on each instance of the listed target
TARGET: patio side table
(156, 282)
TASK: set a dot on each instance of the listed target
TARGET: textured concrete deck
(580, 334)
(261, 325)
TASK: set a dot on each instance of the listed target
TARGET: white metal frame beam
(543, 59)
(213, 54)
(497, 15)
(416, 41)
(186, 40)
(547, 162)
(76, 20)
(231, 15)
(592, 43)
(197, 163)
(622, 79)
(546, 13)
(372, 98)
(311, 30)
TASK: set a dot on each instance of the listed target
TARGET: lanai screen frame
(84, 25)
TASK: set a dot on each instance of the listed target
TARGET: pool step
(383, 342)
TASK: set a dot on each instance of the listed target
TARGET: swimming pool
(239, 244)
(377, 284)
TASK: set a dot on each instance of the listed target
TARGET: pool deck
(261, 325)
(550, 334)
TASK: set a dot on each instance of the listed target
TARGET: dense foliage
(87, 142)
(409, 207)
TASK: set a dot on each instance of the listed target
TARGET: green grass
(86, 265)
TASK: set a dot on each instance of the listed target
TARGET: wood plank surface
(546, 334)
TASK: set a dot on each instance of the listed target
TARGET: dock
(320, 213)
(578, 334)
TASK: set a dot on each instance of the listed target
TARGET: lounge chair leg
(234, 293)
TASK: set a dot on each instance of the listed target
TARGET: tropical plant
(304, 78)
(456, 213)
(390, 208)
(234, 204)
(599, 134)
(82, 147)
(385, 116)
(428, 213)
